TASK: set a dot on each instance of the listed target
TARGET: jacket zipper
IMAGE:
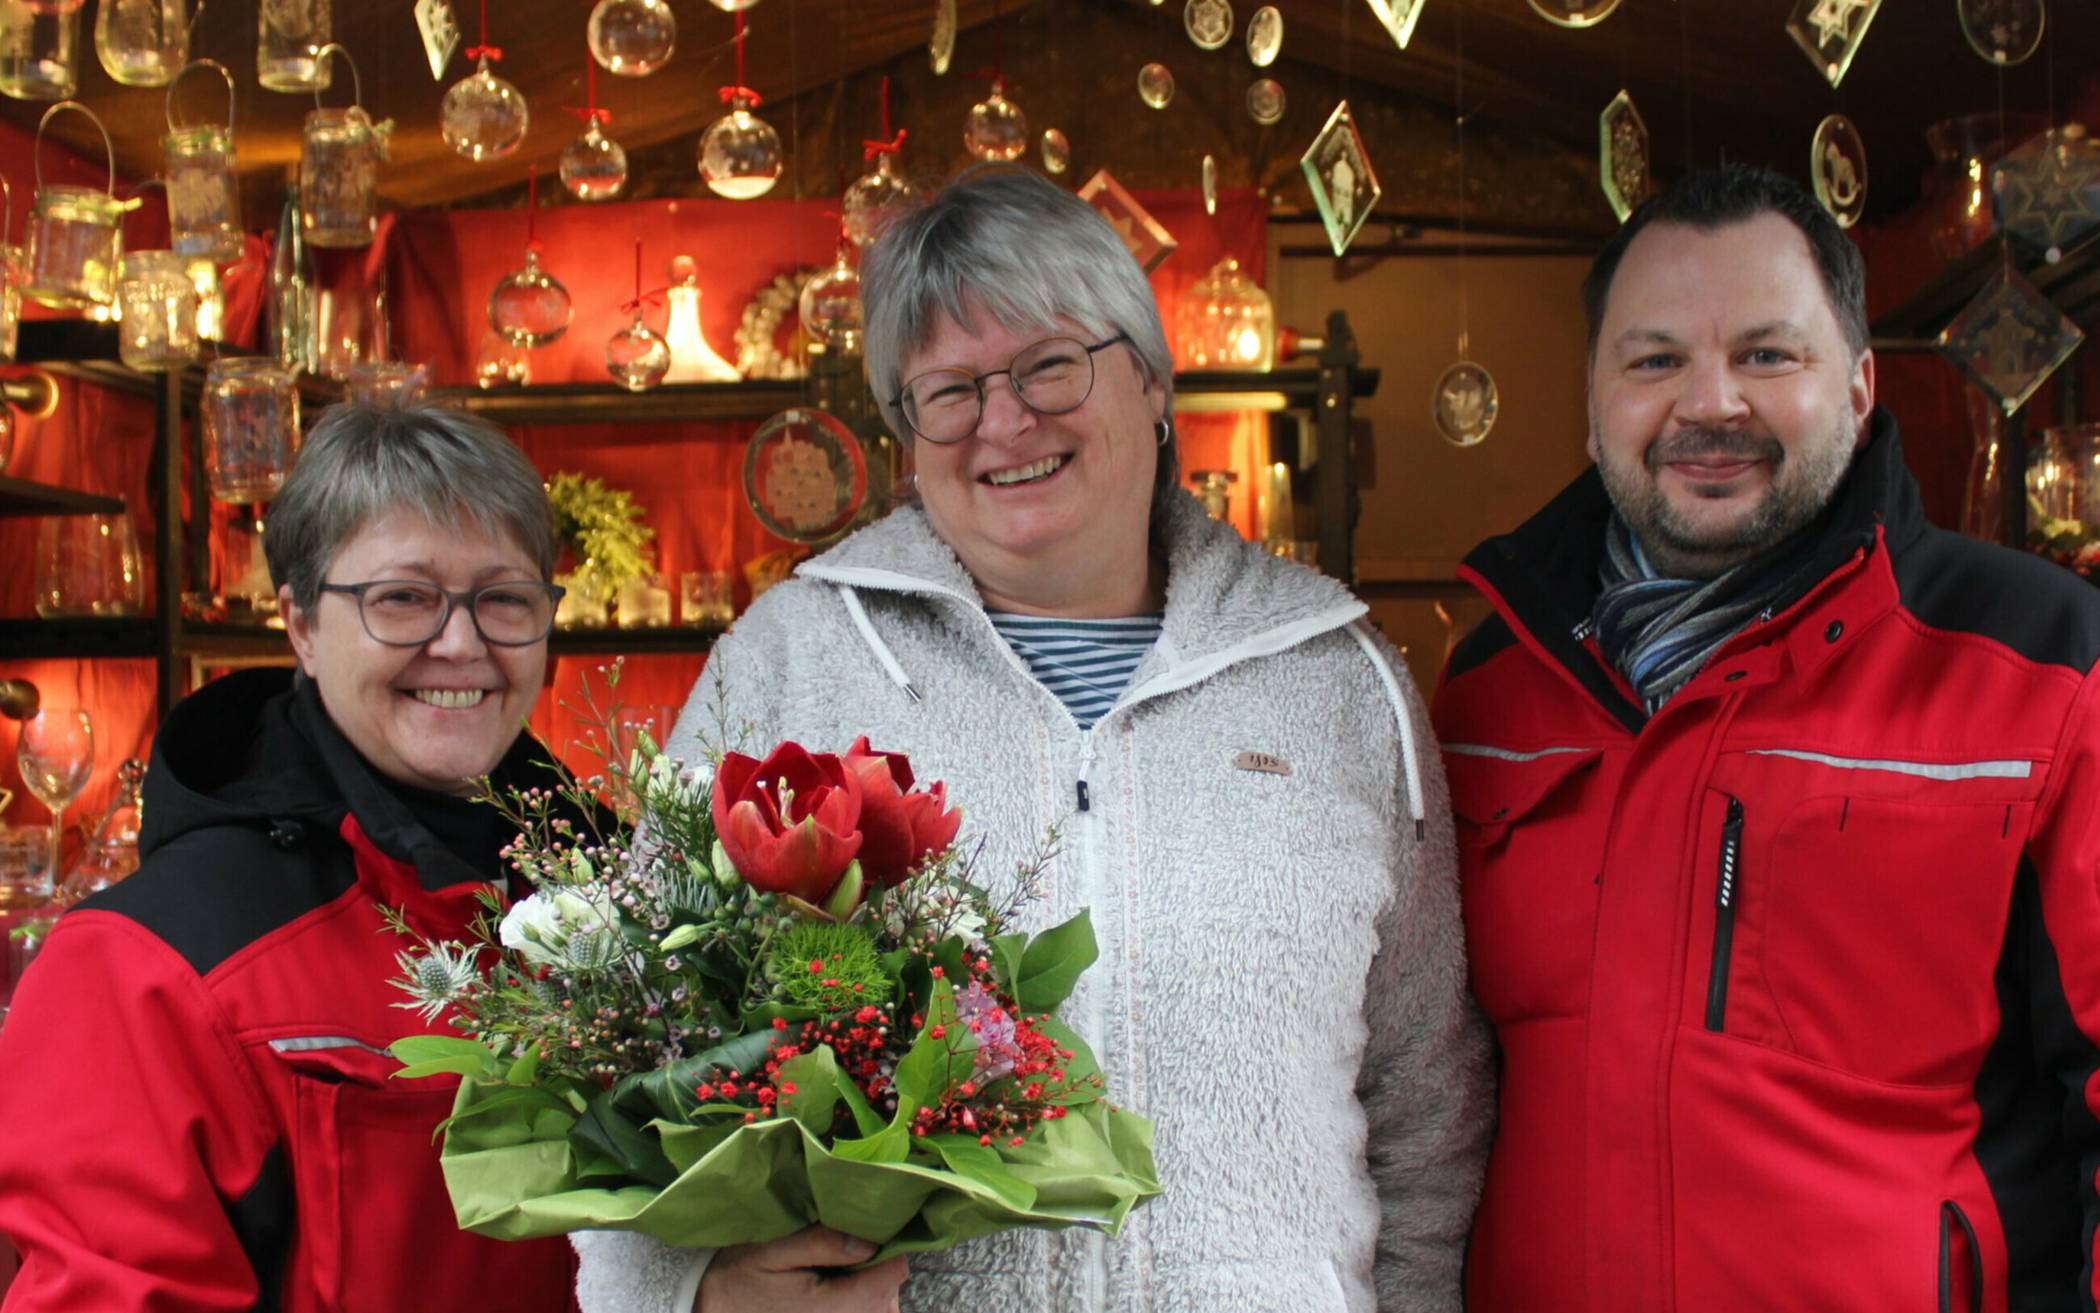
(1724, 914)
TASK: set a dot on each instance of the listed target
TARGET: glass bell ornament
(632, 38)
(483, 117)
(530, 306)
(830, 305)
(740, 153)
(997, 129)
(594, 166)
(874, 199)
(637, 356)
(500, 363)
(692, 359)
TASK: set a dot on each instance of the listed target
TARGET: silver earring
(1162, 431)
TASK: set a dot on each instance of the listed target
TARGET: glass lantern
(251, 427)
(39, 52)
(142, 43)
(1225, 321)
(157, 327)
(740, 152)
(339, 158)
(73, 233)
(292, 42)
(204, 206)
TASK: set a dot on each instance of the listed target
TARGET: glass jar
(73, 235)
(39, 52)
(88, 565)
(1225, 321)
(339, 158)
(204, 206)
(142, 43)
(251, 427)
(292, 40)
(157, 327)
(382, 383)
(12, 267)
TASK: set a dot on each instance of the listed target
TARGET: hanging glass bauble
(483, 117)
(530, 306)
(1265, 36)
(830, 305)
(1156, 85)
(501, 363)
(593, 167)
(1057, 152)
(1265, 101)
(637, 356)
(740, 152)
(1208, 22)
(732, 6)
(997, 129)
(632, 38)
(2003, 31)
(1465, 404)
(874, 199)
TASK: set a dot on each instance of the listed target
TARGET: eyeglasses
(409, 612)
(1052, 377)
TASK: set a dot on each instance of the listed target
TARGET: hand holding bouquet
(761, 1000)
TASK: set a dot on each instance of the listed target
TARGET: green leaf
(866, 1121)
(432, 1055)
(815, 1076)
(936, 1063)
(1006, 958)
(845, 896)
(891, 1144)
(682, 936)
(525, 1068)
(667, 1092)
(605, 1130)
(982, 1164)
(1052, 964)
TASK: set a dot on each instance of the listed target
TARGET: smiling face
(1048, 513)
(1725, 403)
(433, 716)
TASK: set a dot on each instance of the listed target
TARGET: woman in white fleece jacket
(1255, 814)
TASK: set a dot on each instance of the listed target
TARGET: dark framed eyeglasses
(411, 612)
(1050, 377)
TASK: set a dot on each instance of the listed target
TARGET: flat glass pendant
(1829, 32)
(1465, 404)
(1338, 170)
(1838, 167)
(2047, 192)
(1574, 13)
(2004, 32)
(1265, 36)
(1398, 18)
(1265, 101)
(940, 43)
(1057, 152)
(805, 475)
(1149, 243)
(2009, 339)
(1210, 184)
(1156, 85)
(1208, 22)
(1622, 155)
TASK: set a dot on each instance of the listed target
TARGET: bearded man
(1776, 810)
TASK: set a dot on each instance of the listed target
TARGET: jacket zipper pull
(1724, 915)
(1082, 795)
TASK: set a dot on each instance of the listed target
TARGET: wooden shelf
(21, 497)
(2072, 283)
(85, 350)
(35, 639)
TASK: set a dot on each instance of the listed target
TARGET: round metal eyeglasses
(411, 612)
(1051, 377)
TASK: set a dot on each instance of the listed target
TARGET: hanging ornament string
(654, 296)
(589, 112)
(532, 208)
(485, 50)
(731, 94)
(1465, 335)
(886, 144)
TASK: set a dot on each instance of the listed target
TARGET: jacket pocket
(1961, 1262)
(1495, 788)
(1727, 882)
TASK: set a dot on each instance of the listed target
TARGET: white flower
(435, 978)
(542, 926)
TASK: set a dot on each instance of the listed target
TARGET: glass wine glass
(56, 752)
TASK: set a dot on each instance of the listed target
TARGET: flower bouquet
(738, 1004)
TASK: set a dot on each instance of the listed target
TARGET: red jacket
(196, 1111)
(1797, 983)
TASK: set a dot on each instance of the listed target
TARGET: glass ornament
(1464, 404)
(1829, 32)
(2047, 190)
(631, 38)
(692, 359)
(1057, 152)
(339, 155)
(1265, 101)
(2003, 31)
(594, 166)
(732, 6)
(1265, 36)
(204, 208)
(1225, 321)
(1210, 184)
(1622, 155)
(142, 43)
(39, 53)
(2009, 339)
(740, 153)
(74, 238)
(997, 129)
(874, 200)
(530, 306)
(1838, 168)
(940, 42)
(1338, 170)
(637, 356)
(805, 475)
(483, 117)
(501, 362)
(1574, 13)
(290, 36)
(830, 305)
(158, 327)
(1208, 22)
(1156, 85)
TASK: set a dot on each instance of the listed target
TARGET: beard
(1682, 545)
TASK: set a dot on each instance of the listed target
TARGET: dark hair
(1736, 193)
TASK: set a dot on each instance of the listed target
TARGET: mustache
(1730, 444)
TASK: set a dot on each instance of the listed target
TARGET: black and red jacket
(196, 1107)
(1796, 982)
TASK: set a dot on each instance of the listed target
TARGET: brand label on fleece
(1266, 763)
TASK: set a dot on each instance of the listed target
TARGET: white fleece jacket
(1282, 980)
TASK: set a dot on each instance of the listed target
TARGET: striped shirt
(1086, 663)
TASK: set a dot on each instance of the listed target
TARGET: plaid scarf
(1658, 632)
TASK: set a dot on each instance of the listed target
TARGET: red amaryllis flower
(899, 828)
(790, 823)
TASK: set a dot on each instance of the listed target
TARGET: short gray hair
(1029, 253)
(363, 461)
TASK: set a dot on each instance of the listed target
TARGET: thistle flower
(435, 979)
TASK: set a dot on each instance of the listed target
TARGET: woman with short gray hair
(202, 1110)
(1242, 779)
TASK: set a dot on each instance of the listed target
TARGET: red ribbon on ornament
(730, 94)
(641, 298)
(888, 145)
(592, 114)
(532, 208)
(484, 49)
